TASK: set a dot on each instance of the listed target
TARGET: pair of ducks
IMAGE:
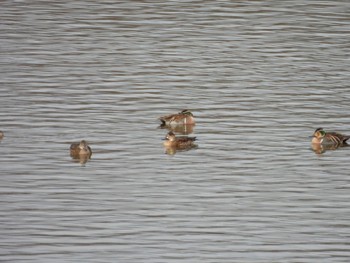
(183, 118)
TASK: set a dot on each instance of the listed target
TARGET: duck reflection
(80, 152)
(173, 150)
(81, 159)
(320, 148)
(173, 144)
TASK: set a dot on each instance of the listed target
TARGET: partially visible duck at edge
(184, 117)
(80, 148)
(179, 142)
(1, 135)
(322, 137)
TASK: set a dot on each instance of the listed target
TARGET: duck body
(184, 117)
(329, 138)
(178, 142)
(80, 148)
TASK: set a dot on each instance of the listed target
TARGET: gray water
(259, 76)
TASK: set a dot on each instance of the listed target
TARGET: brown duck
(179, 142)
(80, 148)
(184, 117)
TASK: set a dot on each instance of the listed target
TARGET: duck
(1, 135)
(178, 142)
(80, 148)
(322, 137)
(184, 117)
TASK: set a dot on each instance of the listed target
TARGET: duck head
(318, 135)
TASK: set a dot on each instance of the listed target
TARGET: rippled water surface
(259, 76)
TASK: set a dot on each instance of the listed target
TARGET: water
(260, 77)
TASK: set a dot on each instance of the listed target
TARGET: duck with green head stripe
(329, 138)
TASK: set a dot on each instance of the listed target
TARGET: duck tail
(345, 139)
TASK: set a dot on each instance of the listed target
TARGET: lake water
(259, 76)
